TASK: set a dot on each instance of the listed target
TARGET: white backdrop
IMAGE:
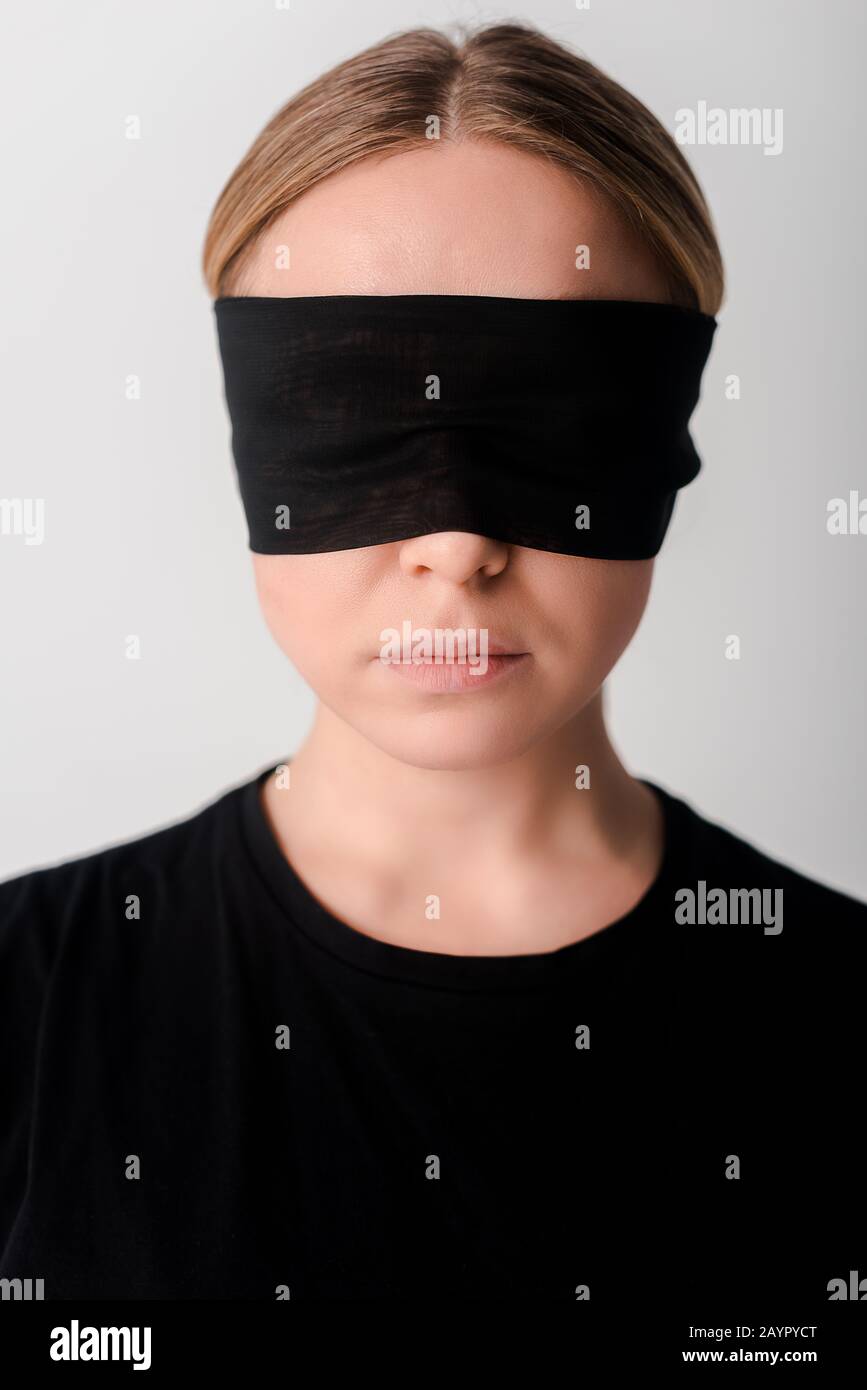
(102, 237)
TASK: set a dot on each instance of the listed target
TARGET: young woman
(447, 1003)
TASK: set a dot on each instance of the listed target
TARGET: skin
(397, 792)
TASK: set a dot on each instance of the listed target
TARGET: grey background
(102, 238)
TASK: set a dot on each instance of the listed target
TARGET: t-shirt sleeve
(30, 918)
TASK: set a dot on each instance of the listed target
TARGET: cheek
(604, 609)
(623, 588)
(290, 602)
(307, 602)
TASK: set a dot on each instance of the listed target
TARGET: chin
(451, 744)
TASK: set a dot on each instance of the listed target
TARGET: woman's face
(470, 219)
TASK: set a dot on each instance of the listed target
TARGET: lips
(504, 649)
(449, 677)
(492, 648)
(456, 676)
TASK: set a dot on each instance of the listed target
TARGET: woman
(448, 1004)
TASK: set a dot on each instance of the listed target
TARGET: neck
(347, 791)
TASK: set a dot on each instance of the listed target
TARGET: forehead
(464, 218)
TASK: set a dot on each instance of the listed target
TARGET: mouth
(450, 677)
(504, 648)
(499, 649)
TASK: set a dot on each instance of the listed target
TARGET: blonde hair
(507, 83)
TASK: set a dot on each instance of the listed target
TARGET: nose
(454, 555)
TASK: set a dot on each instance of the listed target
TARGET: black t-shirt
(234, 1095)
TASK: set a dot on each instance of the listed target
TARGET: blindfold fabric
(555, 424)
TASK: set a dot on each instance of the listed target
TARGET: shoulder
(767, 1023)
(53, 909)
(100, 936)
(717, 855)
(89, 948)
(757, 930)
